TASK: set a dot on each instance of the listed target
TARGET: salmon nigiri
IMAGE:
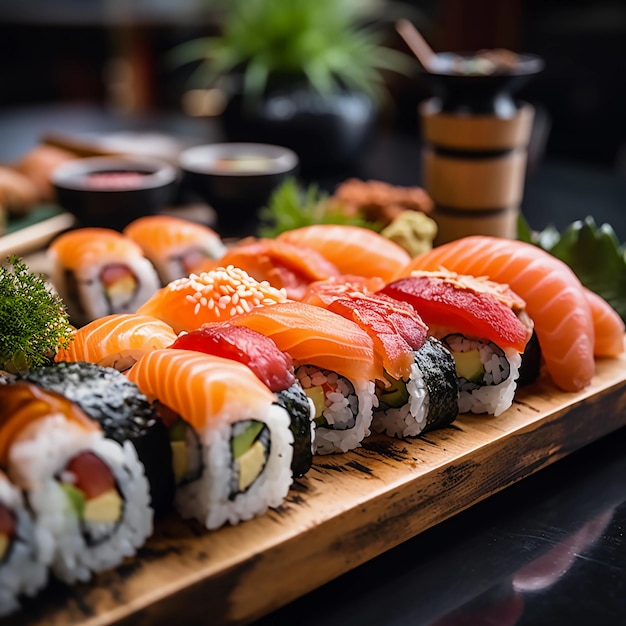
(231, 442)
(353, 249)
(282, 264)
(335, 363)
(117, 340)
(314, 335)
(214, 296)
(555, 299)
(608, 325)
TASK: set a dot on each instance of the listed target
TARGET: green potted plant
(307, 74)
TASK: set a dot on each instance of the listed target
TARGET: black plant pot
(328, 132)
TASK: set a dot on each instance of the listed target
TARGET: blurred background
(111, 53)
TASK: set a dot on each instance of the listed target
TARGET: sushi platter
(346, 510)
(234, 425)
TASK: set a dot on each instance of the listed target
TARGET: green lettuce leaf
(594, 253)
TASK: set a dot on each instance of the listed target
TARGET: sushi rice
(36, 462)
(210, 498)
(493, 394)
(431, 391)
(347, 412)
(410, 419)
(22, 571)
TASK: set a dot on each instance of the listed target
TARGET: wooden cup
(474, 168)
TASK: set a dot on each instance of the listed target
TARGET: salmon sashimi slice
(555, 300)
(352, 249)
(608, 325)
(117, 340)
(450, 302)
(205, 390)
(187, 303)
(314, 336)
(282, 264)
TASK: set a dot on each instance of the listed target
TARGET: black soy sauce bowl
(236, 180)
(111, 192)
(480, 93)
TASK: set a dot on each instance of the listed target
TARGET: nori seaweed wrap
(424, 402)
(296, 403)
(124, 414)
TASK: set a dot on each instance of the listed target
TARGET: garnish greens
(34, 323)
(291, 206)
(594, 253)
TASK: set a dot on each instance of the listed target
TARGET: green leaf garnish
(34, 322)
(593, 252)
(291, 206)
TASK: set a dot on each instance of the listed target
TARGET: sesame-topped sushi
(187, 303)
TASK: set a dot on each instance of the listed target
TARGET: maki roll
(124, 414)
(424, 400)
(22, 571)
(418, 391)
(482, 323)
(335, 363)
(272, 367)
(175, 246)
(231, 442)
(88, 494)
(117, 340)
(98, 272)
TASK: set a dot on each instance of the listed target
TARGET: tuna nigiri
(352, 249)
(555, 299)
(482, 323)
(282, 264)
(187, 303)
(174, 245)
(117, 340)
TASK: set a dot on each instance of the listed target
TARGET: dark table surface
(549, 550)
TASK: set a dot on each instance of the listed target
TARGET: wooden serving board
(348, 509)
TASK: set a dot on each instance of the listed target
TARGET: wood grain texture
(348, 509)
